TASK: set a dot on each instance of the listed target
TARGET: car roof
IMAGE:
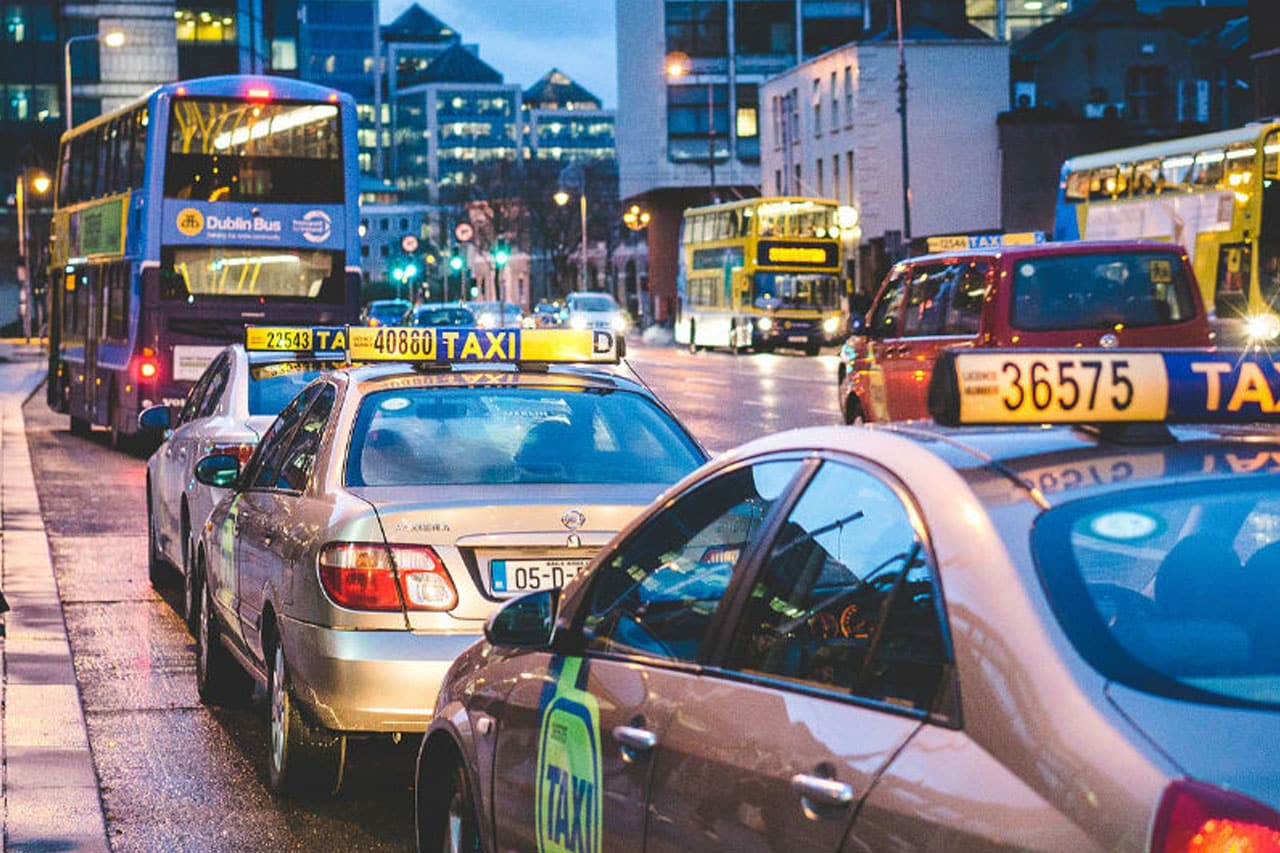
(1048, 465)
(1039, 250)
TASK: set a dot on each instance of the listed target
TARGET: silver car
(909, 638)
(387, 513)
(595, 311)
(226, 411)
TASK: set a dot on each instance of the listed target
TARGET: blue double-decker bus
(179, 218)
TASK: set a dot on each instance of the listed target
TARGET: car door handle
(820, 791)
(634, 740)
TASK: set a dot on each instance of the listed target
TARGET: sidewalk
(49, 787)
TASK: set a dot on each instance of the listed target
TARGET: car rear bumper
(369, 681)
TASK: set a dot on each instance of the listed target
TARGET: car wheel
(853, 411)
(219, 679)
(301, 757)
(446, 819)
(157, 571)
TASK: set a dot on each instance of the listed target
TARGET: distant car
(495, 315)
(1130, 294)
(441, 314)
(391, 507)
(226, 411)
(595, 311)
(385, 312)
(548, 314)
(1016, 635)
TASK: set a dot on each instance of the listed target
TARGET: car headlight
(764, 324)
(486, 321)
(619, 323)
(1263, 327)
(577, 322)
(830, 325)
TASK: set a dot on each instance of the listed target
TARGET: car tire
(157, 571)
(219, 679)
(446, 812)
(853, 411)
(302, 758)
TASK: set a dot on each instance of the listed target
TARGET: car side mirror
(525, 622)
(155, 418)
(221, 471)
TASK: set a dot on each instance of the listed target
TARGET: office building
(338, 46)
(565, 122)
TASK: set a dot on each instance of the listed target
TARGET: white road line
(821, 412)
(701, 395)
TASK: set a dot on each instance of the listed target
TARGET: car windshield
(775, 290)
(443, 317)
(495, 434)
(1172, 591)
(1102, 290)
(272, 386)
(595, 302)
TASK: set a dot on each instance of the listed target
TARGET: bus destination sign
(773, 253)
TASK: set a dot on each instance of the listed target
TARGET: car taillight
(239, 449)
(1194, 817)
(361, 577)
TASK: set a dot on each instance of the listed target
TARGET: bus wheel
(80, 426)
(693, 336)
(812, 348)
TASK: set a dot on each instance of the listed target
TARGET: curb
(50, 786)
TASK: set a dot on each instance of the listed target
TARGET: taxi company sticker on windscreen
(569, 778)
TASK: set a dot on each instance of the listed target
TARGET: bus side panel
(1068, 221)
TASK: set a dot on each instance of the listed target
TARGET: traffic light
(501, 255)
(455, 263)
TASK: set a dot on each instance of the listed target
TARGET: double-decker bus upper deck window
(1208, 169)
(1239, 166)
(1146, 177)
(229, 150)
(1078, 185)
(1271, 156)
(1175, 172)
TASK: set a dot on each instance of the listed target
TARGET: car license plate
(508, 577)
(797, 339)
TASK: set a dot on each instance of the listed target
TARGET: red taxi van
(1077, 294)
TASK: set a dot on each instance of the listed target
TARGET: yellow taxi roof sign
(317, 341)
(471, 345)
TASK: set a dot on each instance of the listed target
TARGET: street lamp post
(39, 182)
(111, 39)
(562, 198)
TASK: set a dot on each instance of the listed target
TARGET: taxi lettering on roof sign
(1100, 386)
(320, 340)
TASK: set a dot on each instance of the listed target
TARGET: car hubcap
(277, 710)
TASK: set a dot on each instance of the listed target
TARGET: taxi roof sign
(1083, 386)
(326, 342)
(439, 346)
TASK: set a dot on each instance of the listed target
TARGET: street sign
(463, 232)
(409, 244)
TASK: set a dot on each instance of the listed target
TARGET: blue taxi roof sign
(1100, 386)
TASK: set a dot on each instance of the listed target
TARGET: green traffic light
(455, 263)
(500, 257)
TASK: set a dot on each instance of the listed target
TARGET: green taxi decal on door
(569, 775)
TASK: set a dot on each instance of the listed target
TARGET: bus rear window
(230, 150)
(274, 273)
(1100, 290)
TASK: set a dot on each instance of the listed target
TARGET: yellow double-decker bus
(1216, 194)
(761, 273)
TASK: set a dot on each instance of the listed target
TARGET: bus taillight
(145, 366)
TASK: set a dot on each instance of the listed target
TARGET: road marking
(821, 412)
(701, 395)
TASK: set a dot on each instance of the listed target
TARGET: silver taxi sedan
(911, 637)
(392, 507)
(226, 411)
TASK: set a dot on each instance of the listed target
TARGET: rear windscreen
(1100, 290)
(272, 273)
(272, 386)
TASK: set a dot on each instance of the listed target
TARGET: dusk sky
(524, 39)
